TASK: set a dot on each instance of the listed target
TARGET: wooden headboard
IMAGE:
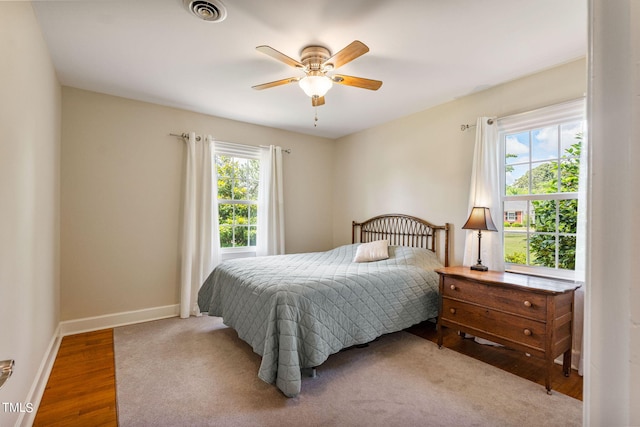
(401, 230)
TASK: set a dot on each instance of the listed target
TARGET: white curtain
(485, 192)
(200, 236)
(270, 203)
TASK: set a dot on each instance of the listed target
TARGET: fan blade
(357, 82)
(348, 54)
(317, 101)
(276, 83)
(268, 50)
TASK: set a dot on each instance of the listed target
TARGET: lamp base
(479, 267)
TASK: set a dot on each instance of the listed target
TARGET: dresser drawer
(510, 300)
(501, 325)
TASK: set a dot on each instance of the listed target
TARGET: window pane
(515, 214)
(517, 148)
(517, 180)
(239, 191)
(252, 236)
(225, 213)
(223, 166)
(224, 172)
(251, 177)
(252, 190)
(241, 214)
(569, 175)
(544, 178)
(545, 215)
(542, 250)
(544, 145)
(253, 214)
(226, 236)
(568, 216)
(515, 247)
(571, 133)
(240, 237)
(567, 252)
(531, 216)
(239, 186)
(254, 170)
(225, 188)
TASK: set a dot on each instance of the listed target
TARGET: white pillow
(372, 251)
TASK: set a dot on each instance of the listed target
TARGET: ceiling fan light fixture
(315, 85)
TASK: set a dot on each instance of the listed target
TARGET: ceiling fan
(316, 62)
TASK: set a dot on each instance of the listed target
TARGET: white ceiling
(425, 51)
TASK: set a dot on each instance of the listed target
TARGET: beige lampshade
(480, 219)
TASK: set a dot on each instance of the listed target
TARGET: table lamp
(480, 219)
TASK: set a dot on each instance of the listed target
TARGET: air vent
(207, 10)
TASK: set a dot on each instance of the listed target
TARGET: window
(540, 172)
(238, 175)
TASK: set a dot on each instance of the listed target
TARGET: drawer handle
(527, 332)
(453, 287)
(452, 310)
(527, 303)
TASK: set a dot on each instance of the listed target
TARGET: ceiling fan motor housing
(312, 57)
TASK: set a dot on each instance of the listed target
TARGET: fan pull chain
(315, 121)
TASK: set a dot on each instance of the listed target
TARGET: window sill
(232, 253)
(550, 273)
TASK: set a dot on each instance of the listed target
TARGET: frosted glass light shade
(315, 85)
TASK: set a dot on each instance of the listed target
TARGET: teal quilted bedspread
(296, 310)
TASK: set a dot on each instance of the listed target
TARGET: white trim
(541, 117)
(40, 382)
(88, 324)
(238, 249)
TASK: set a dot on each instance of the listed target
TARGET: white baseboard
(88, 324)
(40, 383)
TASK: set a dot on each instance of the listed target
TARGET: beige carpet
(197, 372)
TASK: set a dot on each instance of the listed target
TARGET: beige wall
(122, 198)
(29, 201)
(421, 164)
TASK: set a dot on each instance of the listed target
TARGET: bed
(296, 310)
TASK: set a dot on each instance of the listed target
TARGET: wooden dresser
(525, 313)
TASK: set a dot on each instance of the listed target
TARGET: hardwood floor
(81, 390)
